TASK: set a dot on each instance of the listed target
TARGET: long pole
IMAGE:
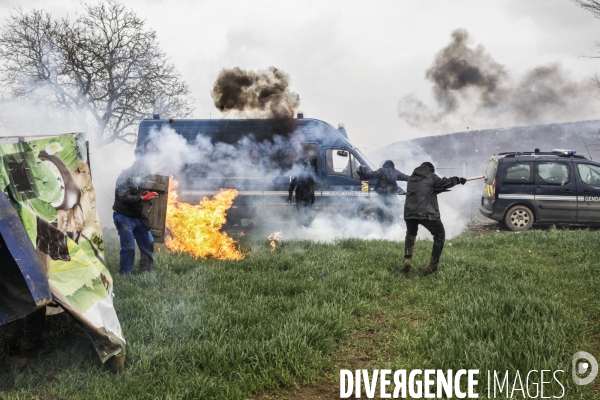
(473, 178)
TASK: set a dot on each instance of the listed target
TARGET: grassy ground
(295, 316)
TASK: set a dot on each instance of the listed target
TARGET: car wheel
(372, 214)
(519, 218)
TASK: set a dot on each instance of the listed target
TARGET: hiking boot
(407, 265)
(431, 268)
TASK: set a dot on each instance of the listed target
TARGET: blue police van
(522, 188)
(275, 147)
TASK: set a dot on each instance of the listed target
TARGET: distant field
(295, 316)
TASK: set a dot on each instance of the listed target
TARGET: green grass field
(295, 316)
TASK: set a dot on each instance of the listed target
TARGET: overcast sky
(352, 61)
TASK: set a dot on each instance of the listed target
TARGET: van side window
(589, 174)
(338, 162)
(520, 173)
(552, 173)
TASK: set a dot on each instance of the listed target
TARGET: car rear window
(490, 171)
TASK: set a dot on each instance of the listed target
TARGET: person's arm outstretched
(400, 176)
(443, 184)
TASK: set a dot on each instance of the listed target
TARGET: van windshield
(365, 159)
(490, 171)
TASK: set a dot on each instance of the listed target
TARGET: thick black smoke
(261, 94)
(458, 68)
(473, 90)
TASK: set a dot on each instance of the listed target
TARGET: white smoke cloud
(35, 117)
(167, 152)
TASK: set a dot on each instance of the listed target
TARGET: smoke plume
(200, 164)
(260, 94)
(471, 89)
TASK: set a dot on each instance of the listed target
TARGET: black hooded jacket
(128, 197)
(386, 177)
(422, 189)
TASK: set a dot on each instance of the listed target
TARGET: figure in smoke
(129, 219)
(304, 184)
(421, 208)
(386, 186)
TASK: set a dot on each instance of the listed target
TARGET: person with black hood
(129, 219)
(304, 185)
(386, 186)
(421, 208)
(386, 177)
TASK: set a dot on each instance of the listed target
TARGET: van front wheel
(519, 218)
(371, 213)
(376, 214)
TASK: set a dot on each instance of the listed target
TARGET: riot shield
(156, 209)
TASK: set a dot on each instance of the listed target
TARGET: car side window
(552, 173)
(338, 162)
(519, 173)
(589, 174)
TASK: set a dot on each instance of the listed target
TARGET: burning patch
(274, 239)
(196, 229)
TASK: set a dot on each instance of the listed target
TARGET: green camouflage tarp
(48, 182)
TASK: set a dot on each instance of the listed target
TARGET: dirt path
(367, 345)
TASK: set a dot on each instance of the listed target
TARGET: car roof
(531, 156)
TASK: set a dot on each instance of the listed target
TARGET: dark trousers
(30, 329)
(131, 231)
(305, 212)
(434, 226)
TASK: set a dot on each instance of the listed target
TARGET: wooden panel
(156, 209)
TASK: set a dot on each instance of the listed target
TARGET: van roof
(227, 130)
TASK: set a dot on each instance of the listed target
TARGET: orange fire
(275, 237)
(196, 229)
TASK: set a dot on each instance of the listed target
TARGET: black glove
(463, 181)
(289, 200)
(361, 169)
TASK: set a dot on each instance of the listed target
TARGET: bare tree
(105, 67)
(592, 6)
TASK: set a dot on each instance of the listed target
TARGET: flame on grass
(196, 229)
(274, 238)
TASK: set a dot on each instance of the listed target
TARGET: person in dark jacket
(304, 185)
(386, 186)
(386, 177)
(421, 208)
(131, 223)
